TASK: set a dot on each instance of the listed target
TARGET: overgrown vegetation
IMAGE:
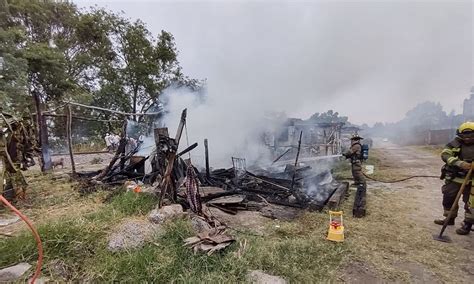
(78, 241)
(53, 51)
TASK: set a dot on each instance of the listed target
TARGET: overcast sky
(370, 60)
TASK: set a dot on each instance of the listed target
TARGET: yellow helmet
(466, 127)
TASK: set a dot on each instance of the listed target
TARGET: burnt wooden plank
(338, 196)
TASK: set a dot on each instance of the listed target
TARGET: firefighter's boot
(441, 222)
(465, 229)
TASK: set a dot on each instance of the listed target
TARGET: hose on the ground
(399, 180)
(35, 234)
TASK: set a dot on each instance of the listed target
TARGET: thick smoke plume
(233, 130)
(369, 60)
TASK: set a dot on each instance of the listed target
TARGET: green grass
(130, 203)
(294, 250)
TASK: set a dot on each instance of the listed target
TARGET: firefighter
(458, 156)
(355, 154)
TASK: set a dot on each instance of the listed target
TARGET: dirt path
(423, 198)
(425, 191)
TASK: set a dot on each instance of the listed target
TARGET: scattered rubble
(210, 241)
(13, 273)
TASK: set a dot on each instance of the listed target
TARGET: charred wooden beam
(190, 148)
(338, 196)
(206, 153)
(167, 184)
(296, 161)
(269, 182)
(281, 156)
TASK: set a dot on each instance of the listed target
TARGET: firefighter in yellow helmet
(458, 156)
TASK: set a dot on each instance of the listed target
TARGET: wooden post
(325, 142)
(69, 137)
(167, 182)
(296, 161)
(122, 144)
(206, 153)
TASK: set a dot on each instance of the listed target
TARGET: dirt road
(421, 200)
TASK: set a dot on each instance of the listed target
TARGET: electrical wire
(35, 234)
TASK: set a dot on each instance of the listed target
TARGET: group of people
(112, 142)
(17, 148)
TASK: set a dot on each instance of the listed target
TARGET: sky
(369, 60)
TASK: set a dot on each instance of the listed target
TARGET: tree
(426, 115)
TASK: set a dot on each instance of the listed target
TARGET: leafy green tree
(56, 52)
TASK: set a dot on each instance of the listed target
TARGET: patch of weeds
(131, 203)
(70, 241)
(301, 259)
(167, 260)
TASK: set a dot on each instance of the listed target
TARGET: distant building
(468, 107)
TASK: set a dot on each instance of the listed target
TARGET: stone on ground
(7, 219)
(131, 234)
(14, 272)
(199, 224)
(165, 213)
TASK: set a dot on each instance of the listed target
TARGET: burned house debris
(297, 177)
(304, 182)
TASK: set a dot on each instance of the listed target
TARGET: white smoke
(233, 129)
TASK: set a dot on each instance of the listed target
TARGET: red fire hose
(35, 234)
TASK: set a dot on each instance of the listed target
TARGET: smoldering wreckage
(298, 179)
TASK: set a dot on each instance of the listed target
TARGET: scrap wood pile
(277, 191)
(232, 191)
(288, 185)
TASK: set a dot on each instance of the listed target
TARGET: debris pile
(210, 241)
(286, 183)
(279, 190)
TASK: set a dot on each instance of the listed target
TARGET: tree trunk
(69, 138)
(45, 158)
(135, 94)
